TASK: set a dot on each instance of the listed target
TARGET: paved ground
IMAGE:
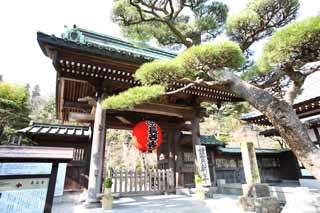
(158, 204)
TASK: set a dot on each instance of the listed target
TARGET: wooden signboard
(203, 165)
(30, 192)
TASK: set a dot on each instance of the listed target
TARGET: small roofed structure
(62, 135)
(57, 130)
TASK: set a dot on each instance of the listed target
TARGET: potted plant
(107, 196)
(200, 192)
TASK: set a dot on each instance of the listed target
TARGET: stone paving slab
(159, 204)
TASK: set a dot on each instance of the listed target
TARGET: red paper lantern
(147, 136)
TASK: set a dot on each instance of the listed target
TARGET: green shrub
(107, 183)
(198, 180)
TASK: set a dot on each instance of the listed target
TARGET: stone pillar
(256, 196)
(195, 125)
(97, 149)
(249, 161)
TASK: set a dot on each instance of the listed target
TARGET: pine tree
(190, 23)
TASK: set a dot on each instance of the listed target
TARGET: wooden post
(172, 140)
(151, 172)
(126, 181)
(145, 180)
(115, 176)
(120, 177)
(195, 124)
(316, 132)
(213, 161)
(51, 187)
(98, 140)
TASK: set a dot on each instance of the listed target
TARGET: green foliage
(198, 20)
(208, 57)
(246, 19)
(107, 183)
(224, 138)
(260, 19)
(133, 96)
(259, 68)
(236, 109)
(225, 120)
(162, 72)
(46, 112)
(14, 105)
(198, 180)
(299, 43)
(14, 109)
(118, 136)
(276, 146)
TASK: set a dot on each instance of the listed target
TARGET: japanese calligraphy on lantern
(203, 165)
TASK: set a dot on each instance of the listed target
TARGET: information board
(23, 195)
(36, 168)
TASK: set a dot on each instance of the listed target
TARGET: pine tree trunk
(283, 118)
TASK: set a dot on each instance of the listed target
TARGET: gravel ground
(158, 204)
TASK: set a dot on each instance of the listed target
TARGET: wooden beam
(61, 98)
(127, 122)
(308, 113)
(80, 117)
(35, 153)
(165, 109)
(77, 105)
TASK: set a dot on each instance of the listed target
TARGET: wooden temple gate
(96, 66)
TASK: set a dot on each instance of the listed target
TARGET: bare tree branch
(198, 81)
(310, 68)
(180, 89)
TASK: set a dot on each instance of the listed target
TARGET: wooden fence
(130, 182)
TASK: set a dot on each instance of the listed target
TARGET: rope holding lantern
(147, 136)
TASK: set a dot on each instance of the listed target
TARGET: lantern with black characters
(147, 136)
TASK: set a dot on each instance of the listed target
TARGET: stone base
(259, 205)
(256, 190)
(92, 205)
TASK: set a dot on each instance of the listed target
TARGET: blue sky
(21, 58)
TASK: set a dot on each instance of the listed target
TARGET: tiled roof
(57, 129)
(260, 151)
(309, 122)
(100, 44)
(303, 109)
(210, 139)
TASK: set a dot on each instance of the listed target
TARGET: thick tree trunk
(283, 118)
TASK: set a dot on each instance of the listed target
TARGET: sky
(21, 59)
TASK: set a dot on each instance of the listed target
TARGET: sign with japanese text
(27, 194)
(203, 165)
